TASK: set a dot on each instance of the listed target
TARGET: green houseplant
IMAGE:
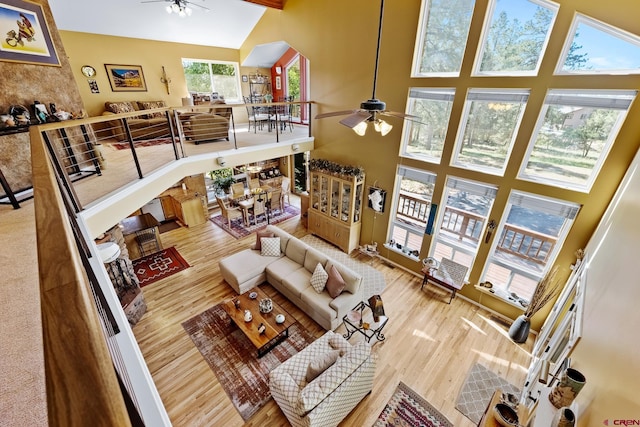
(222, 180)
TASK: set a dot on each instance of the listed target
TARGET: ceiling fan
(181, 7)
(371, 109)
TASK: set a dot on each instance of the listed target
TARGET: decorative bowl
(280, 318)
(266, 305)
(505, 415)
(253, 295)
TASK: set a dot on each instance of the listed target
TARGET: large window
(573, 136)
(414, 189)
(424, 137)
(515, 37)
(532, 230)
(596, 48)
(442, 37)
(488, 129)
(462, 220)
(207, 77)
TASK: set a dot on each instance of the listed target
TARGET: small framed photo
(245, 78)
(377, 197)
(278, 83)
(41, 113)
(93, 85)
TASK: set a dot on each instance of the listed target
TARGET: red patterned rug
(233, 358)
(159, 265)
(406, 408)
(239, 230)
(141, 143)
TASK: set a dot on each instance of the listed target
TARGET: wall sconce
(166, 80)
(221, 161)
(295, 147)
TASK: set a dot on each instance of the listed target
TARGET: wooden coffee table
(274, 333)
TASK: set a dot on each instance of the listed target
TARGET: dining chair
(254, 183)
(282, 114)
(256, 116)
(237, 190)
(286, 190)
(147, 241)
(275, 200)
(259, 208)
(229, 212)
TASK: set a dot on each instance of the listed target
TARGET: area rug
(158, 265)
(168, 226)
(233, 358)
(478, 389)
(141, 143)
(373, 281)
(406, 408)
(239, 230)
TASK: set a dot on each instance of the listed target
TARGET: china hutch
(335, 208)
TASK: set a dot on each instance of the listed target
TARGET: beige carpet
(478, 389)
(373, 281)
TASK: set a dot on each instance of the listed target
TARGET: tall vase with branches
(546, 290)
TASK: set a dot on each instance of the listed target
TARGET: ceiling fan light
(187, 10)
(181, 14)
(169, 9)
(382, 127)
(175, 8)
(360, 128)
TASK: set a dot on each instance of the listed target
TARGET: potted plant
(222, 180)
(547, 289)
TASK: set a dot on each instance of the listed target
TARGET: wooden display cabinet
(335, 209)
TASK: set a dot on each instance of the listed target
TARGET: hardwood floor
(429, 345)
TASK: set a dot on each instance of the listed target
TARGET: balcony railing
(526, 244)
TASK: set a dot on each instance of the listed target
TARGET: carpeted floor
(406, 408)
(141, 143)
(159, 265)
(478, 389)
(233, 358)
(373, 281)
(239, 230)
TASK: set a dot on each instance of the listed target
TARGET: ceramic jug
(247, 316)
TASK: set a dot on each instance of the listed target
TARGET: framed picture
(245, 78)
(125, 78)
(27, 35)
(377, 197)
(93, 85)
(40, 112)
(278, 83)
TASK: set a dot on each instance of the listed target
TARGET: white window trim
(236, 66)
(598, 25)
(586, 187)
(475, 71)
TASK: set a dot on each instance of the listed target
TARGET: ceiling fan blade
(335, 113)
(398, 115)
(355, 119)
(196, 5)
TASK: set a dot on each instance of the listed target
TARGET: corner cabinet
(335, 209)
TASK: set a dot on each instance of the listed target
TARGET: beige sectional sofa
(290, 273)
(332, 395)
(145, 126)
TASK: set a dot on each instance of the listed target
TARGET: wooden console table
(488, 420)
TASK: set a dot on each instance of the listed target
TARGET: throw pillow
(150, 105)
(260, 234)
(335, 283)
(337, 342)
(270, 246)
(321, 364)
(319, 278)
(119, 107)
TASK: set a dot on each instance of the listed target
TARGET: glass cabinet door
(324, 193)
(315, 191)
(345, 201)
(335, 197)
(357, 208)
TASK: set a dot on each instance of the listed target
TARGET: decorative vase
(247, 316)
(519, 330)
(564, 393)
(564, 418)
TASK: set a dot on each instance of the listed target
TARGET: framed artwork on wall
(245, 78)
(377, 197)
(126, 78)
(27, 37)
(278, 83)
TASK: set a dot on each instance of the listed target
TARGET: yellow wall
(97, 50)
(341, 51)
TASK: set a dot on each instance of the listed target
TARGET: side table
(360, 319)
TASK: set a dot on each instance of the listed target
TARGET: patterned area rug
(239, 230)
(372, 280)
(233, 358)
(141, 143)
(478, 389)
(406, 408)
(158, 265)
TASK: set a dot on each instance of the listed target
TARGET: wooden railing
(463, 224)
(526, 244)
(413, 207)
(80, 378)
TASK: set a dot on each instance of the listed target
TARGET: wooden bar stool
(147, 240)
